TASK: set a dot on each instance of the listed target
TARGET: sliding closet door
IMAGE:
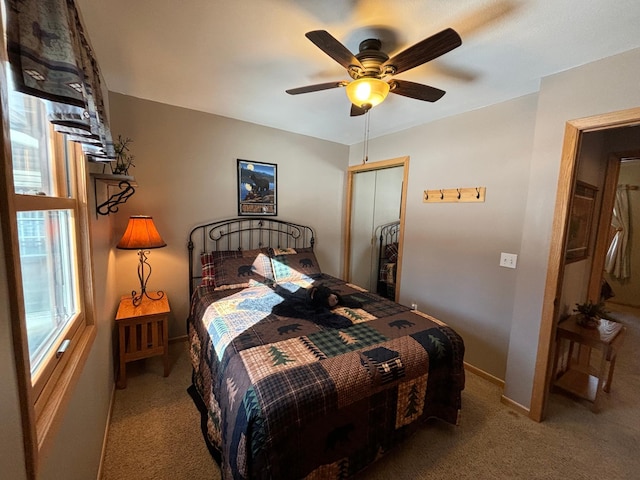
(362, 218)
(376, 200)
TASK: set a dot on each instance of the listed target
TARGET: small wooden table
(577, 376)
(143, 332)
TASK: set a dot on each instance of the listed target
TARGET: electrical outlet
(508, 260)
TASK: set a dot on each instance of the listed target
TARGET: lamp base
(136, 298)
(144, 278)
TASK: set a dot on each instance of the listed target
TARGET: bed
(387, 235)
(287, 390)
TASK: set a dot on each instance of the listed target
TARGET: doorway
(574, 132)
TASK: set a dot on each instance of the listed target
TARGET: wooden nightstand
(573, 371)
(143, 332)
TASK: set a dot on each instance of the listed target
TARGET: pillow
(238, 267)
(208, 274)
(282, 251)
(388, 273)
(251, 283)
(301, 265)
(391, 252)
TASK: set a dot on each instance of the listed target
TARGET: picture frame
(257, 188)
(580, 222)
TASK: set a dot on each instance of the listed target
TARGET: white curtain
(618, 258)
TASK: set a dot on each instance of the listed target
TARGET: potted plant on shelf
(589, 314)
(124, 160)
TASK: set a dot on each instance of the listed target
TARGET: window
(48, 227)
(46, 238)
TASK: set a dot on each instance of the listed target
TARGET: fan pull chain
(365, 153)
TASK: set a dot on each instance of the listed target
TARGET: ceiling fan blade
(332, 47)
(356, 111)
(315, 88)
(416, 90)
(425, 51)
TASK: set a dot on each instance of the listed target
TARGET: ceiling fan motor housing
(371, 57)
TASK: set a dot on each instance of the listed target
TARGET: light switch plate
(508, 260)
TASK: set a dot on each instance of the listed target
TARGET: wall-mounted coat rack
(125, 185)
(448, 195)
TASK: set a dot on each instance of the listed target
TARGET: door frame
(555, 266)
(367, 167)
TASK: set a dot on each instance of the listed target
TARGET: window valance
(51, 58)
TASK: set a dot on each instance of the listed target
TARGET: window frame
(43, 404)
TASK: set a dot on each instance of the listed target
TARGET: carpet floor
(155, 433)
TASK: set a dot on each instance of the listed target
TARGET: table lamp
(142, 235)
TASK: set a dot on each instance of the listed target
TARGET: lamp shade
(141, 233)
(367, 92)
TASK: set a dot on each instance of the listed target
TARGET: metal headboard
(243, 233)
(387, 234)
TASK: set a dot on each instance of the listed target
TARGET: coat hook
(478, 192)
(441, 195)
(427, 194)
(458, 193)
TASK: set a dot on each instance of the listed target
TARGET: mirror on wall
(375, 209)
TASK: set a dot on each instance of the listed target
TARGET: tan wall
(604, 86)
(452, 251)
(11, 446)
(186, 164)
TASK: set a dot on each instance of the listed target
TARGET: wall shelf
(123, 183)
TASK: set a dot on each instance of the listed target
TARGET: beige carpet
(155, 431)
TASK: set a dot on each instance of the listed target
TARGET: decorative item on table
(142, 235)
(124, 160)
(590, 314)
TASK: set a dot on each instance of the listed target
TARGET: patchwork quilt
(291, 392)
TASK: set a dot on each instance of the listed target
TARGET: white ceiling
(237, 58)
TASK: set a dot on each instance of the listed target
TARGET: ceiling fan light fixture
(369, 91)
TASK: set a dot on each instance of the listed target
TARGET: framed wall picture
(257, 188)
(580, 221)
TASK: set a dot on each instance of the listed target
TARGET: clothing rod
(628, 187)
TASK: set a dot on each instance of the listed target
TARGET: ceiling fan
(370, 67)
